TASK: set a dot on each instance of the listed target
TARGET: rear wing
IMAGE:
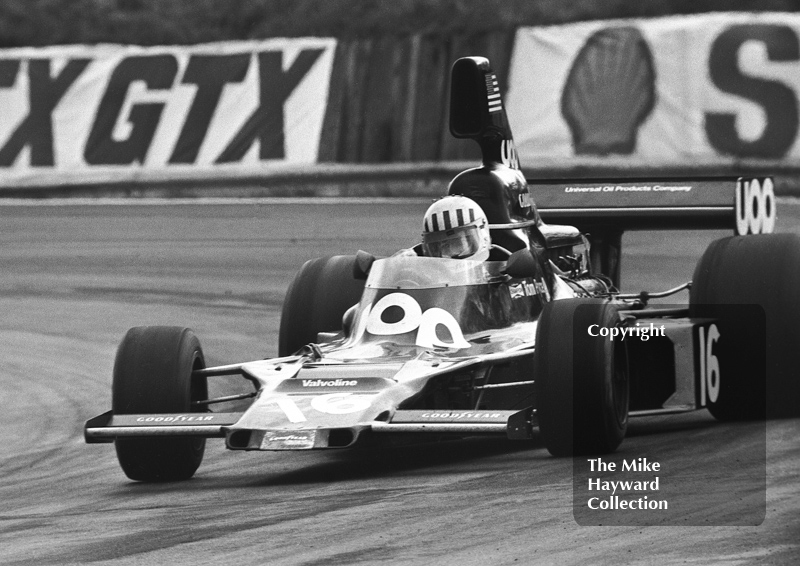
(603, 209)
(745, 205)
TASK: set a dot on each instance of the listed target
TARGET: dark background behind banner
(159, 22)
(389, 97)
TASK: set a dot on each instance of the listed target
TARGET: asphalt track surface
(75, 278)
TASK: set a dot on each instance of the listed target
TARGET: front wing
(342, 410)
(108, 427)
(302, 405)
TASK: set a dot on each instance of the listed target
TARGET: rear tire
(316, 301)
(582, 387)
(153, 374)
(754, 270)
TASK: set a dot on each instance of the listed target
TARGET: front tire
(582, 387)
(759, 270)
(153, 374)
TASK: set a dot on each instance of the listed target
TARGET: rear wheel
(153, 374)
(581, 380)
(316, 301)
(759, 270)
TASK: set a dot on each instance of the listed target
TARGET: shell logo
(610, 92)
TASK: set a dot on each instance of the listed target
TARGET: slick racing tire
(759, 270)
(153, 374)
(581, 381)
(316, 301)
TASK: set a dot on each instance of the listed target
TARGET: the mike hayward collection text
(610, 500)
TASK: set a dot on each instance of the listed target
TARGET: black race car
(537, 339)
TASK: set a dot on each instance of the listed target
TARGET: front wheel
(581, 381)
(762, 270)
(153, 374)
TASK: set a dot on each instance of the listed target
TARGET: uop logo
(755, 206)
(508, 154)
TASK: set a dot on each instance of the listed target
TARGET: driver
(456, 227)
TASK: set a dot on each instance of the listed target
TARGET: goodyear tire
(316, 301)
(153, 374)
(581, 381)
(753, 270)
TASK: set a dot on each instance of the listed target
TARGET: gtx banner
(678, 89)
(77, 110)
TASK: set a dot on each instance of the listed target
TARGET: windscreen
(445, 305)
(410, 272)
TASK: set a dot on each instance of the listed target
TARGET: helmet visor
(457, 243)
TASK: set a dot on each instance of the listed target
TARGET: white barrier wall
(672, 90)
(79, 112)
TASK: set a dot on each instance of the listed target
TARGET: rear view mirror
(469, 113)
(363, 264)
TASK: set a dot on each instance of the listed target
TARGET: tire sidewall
(581, 380)
(152, 375)
(764, 271)
(317, 300)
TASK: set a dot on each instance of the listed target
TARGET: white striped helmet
(455, 226)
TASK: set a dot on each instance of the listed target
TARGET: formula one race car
(533, 339)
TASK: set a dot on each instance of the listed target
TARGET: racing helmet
(456, 227)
